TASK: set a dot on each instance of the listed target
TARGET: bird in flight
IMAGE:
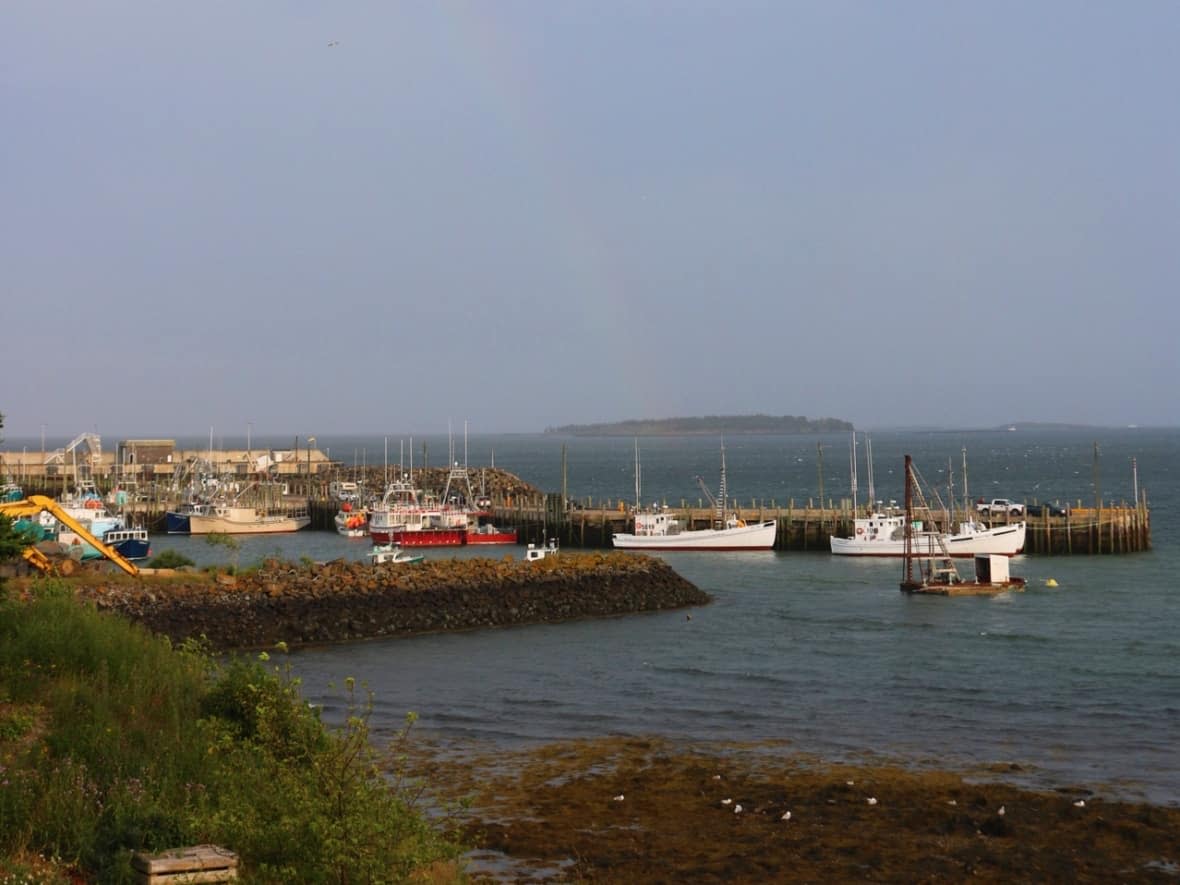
(333, 42)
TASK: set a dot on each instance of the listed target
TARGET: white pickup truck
(1000, 505)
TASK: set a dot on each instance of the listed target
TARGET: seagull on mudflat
(1081, 803)
(727, 802)
(1001, 811)
(872, 800)
(737, 809)
(786, 816)
(619, 798)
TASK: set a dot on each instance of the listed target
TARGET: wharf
(1118, 528)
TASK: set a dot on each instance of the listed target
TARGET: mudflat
(649, 810)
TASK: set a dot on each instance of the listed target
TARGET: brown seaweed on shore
(647, 810)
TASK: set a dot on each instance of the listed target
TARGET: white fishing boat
(392, 553)
(260, 508)
(883, 534)
(658, 529)
(882, 531)
(226, 519)
(534, 553)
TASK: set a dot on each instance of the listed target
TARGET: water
(1078, 684)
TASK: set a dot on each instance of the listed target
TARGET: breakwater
(338, 601)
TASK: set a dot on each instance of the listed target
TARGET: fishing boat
(534, 553)
(130, 543)
(481, 532)
(257, 509)
(351, 522)
(928, 566)
(882, 531)
(412, 518)
(658, 529)
(392, 553)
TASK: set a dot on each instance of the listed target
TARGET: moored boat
(351, 522)
(658, 529)
(130, 543)
(227, 519)
(882, 533)
(392, 553)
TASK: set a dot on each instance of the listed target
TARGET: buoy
(1052, 582)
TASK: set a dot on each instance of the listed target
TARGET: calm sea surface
(1077, 684)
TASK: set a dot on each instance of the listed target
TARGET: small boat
(928, 567)
(350, 522)
(658, 529)
(227, 519)
(130, 543)
(533, 553)
(392, 553)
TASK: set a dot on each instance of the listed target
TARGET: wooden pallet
(197, 863)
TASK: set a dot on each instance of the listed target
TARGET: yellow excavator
(36, 504)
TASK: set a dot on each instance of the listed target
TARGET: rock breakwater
(337, 601)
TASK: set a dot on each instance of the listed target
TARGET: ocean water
(1077, 685)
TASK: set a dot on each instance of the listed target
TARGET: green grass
(112, 741)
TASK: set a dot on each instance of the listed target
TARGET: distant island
(709, 424)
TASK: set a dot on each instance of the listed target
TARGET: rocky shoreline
(338, 601)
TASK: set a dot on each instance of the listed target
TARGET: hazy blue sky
(529, 213)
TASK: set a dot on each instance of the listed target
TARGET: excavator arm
(35, 504)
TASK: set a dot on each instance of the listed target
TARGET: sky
(381, 217)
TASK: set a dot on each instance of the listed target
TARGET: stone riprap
(338, 601)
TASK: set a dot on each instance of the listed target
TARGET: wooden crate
(197, 863)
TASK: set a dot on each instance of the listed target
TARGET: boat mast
(722, 491)
(966, 497)
(637, 481)
(907, 572)
(869, 461)
(852, 470)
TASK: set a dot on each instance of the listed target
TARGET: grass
(113, 741)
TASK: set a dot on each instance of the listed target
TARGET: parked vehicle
(999, 505)
(1047, 510)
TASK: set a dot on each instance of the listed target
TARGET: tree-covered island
(708, 424)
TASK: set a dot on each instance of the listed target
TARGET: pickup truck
(1000, 505)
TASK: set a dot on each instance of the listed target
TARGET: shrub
(170, 559)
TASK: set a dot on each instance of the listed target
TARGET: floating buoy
(1051, 582)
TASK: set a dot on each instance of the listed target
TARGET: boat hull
(497, 536)
(420, 537)
(759, 536)
(208, 525)
(1003, 541)
(176, 523)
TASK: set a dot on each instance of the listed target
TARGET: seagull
(1001, 811)
(952, 802)
(716, 777)
(1081, 803)
(786, 816)
(850, 783)
(727, 802)
(737, 809)
(619, 798)
(872, 800)
(333, 42)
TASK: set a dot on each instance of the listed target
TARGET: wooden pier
(1114, 528)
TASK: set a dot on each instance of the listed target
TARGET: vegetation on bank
(724, 424)
(112, 741)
